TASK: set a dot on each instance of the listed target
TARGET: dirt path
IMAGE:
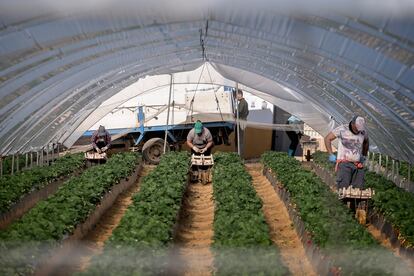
(93, 243)
(195, 233)
(281, 227)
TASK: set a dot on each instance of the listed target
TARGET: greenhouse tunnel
(57, 68)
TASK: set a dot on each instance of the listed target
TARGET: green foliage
(56, 217)
(396, 204)
(13, 187)
(242, 243)
(331, 225)
(321, 158)
(139, 244)
(403, 171)
(7, 164)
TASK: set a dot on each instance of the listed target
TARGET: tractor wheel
(153, 149)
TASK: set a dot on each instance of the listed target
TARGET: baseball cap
(198, 127)
(359, 123)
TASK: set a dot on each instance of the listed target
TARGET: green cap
(198, 127)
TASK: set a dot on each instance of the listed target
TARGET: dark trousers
(294, 140)
(348, 174)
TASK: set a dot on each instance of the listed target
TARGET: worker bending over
(199, 139)
(353, 147)
(294, 135)
(101, 140)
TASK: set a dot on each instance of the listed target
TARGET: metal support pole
(393, 168)
(47, 155)
(386, 164)
(53, 153)
(12, 167)
(397, 172)
(26, 163)
(237, 121)
(42, 157)
(37, 158)
(380, 164)
(17, 163)
(373, 161)
(1, 165)
(31, 159)
(380, 159)
(168, 113)
(397, 167)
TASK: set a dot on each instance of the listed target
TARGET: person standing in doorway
(243, 112)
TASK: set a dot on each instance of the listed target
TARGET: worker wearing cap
(352, 151)
(199, 139)
(101, 140)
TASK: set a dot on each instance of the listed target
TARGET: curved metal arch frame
(207, 49)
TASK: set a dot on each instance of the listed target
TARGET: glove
(194, 148)
(203, 150)
(99, 150)
(332, 158)
(104, 149)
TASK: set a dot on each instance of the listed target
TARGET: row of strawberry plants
(140, 244)
(396, 204)
(13, 187)
(331, 225)
(242, 242)
(23, 243)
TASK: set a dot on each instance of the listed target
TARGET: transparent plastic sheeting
(207, 74)
(56, 70)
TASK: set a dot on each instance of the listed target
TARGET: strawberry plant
(330, 224)
(56, 217)
(139, 244)
(242, 243)
(13, 187)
